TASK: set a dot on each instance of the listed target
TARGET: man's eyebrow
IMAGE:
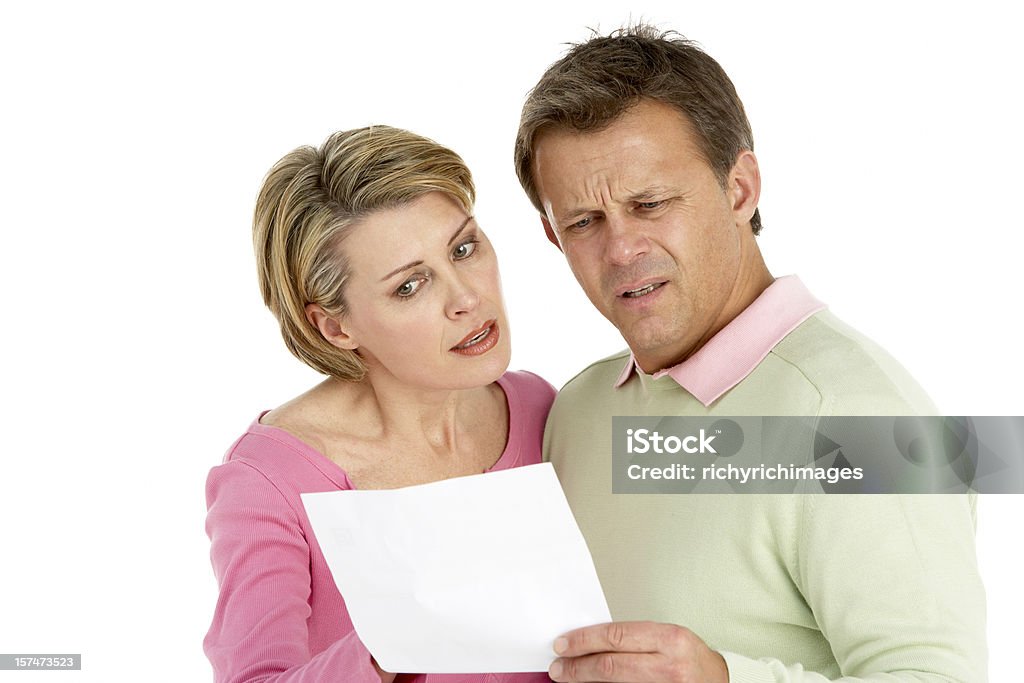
(651, 193)
(655, 191)
(645, 195)
(459, 231)
(413, 264)
(568, 215)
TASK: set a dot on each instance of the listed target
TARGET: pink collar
(735, 351)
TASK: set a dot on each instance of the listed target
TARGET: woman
(371, 261)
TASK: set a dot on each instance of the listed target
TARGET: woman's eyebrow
(398, 270)
(413, 264)
(459, 231)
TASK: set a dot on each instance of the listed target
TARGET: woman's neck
(391, 411)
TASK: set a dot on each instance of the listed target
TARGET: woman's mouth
(478, 341)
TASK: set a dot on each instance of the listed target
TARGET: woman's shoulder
(529, 401)
(528, 394)
(529, 383)
(303, 415)
(530, 386)
(308, 424)
(281, 454)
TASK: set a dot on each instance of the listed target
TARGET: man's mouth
(641, 291)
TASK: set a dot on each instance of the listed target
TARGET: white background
(135, 346)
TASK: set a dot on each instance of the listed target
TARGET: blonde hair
(309, 201)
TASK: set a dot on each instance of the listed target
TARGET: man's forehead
(568, 183)
(643, 116)
(650, 135)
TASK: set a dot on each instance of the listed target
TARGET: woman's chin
(489, 371)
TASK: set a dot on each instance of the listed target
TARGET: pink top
(279, 616)
(735, 351)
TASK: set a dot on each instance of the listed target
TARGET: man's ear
(550, 232)
(744, 186)
(330, 327)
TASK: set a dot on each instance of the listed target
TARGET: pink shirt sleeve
(261, 560)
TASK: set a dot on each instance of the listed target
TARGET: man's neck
(751, 281)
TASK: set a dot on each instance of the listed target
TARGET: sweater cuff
(746, 670)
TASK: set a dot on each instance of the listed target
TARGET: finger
(610, 667)
(616, 636)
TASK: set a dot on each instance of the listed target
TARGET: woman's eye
(464, 250)
(409, 287)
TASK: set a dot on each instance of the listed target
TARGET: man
(637, 152)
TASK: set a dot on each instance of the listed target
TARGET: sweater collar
(732, 354)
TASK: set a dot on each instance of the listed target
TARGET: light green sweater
(806, 588)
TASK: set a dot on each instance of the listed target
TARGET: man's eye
(464, 250)
(651, 205)
(409, 287)
(582, 223)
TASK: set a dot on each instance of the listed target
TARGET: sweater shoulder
(602, 373)
(852, 373)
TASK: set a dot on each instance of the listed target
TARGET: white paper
(475, 574)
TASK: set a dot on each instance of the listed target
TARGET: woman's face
(424, 296)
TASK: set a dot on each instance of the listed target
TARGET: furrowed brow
(572, 215)
(650, 193)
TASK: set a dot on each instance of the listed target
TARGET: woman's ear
(330, 327)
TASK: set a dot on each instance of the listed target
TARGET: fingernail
(561, 644)
(556, 669)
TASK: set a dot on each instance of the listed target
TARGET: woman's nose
(462, 298)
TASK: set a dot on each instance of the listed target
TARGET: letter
(705, 444)
(643, 446)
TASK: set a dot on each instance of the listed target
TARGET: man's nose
(626, 240)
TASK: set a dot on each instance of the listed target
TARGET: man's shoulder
(852, 373)
(829, 348)
(601, 373)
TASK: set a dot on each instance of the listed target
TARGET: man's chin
(655, 351)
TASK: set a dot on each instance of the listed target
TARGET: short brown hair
(309, 201)
(597, 81)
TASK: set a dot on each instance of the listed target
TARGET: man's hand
(636, 652)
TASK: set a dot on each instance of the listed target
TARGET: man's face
(650, 234)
